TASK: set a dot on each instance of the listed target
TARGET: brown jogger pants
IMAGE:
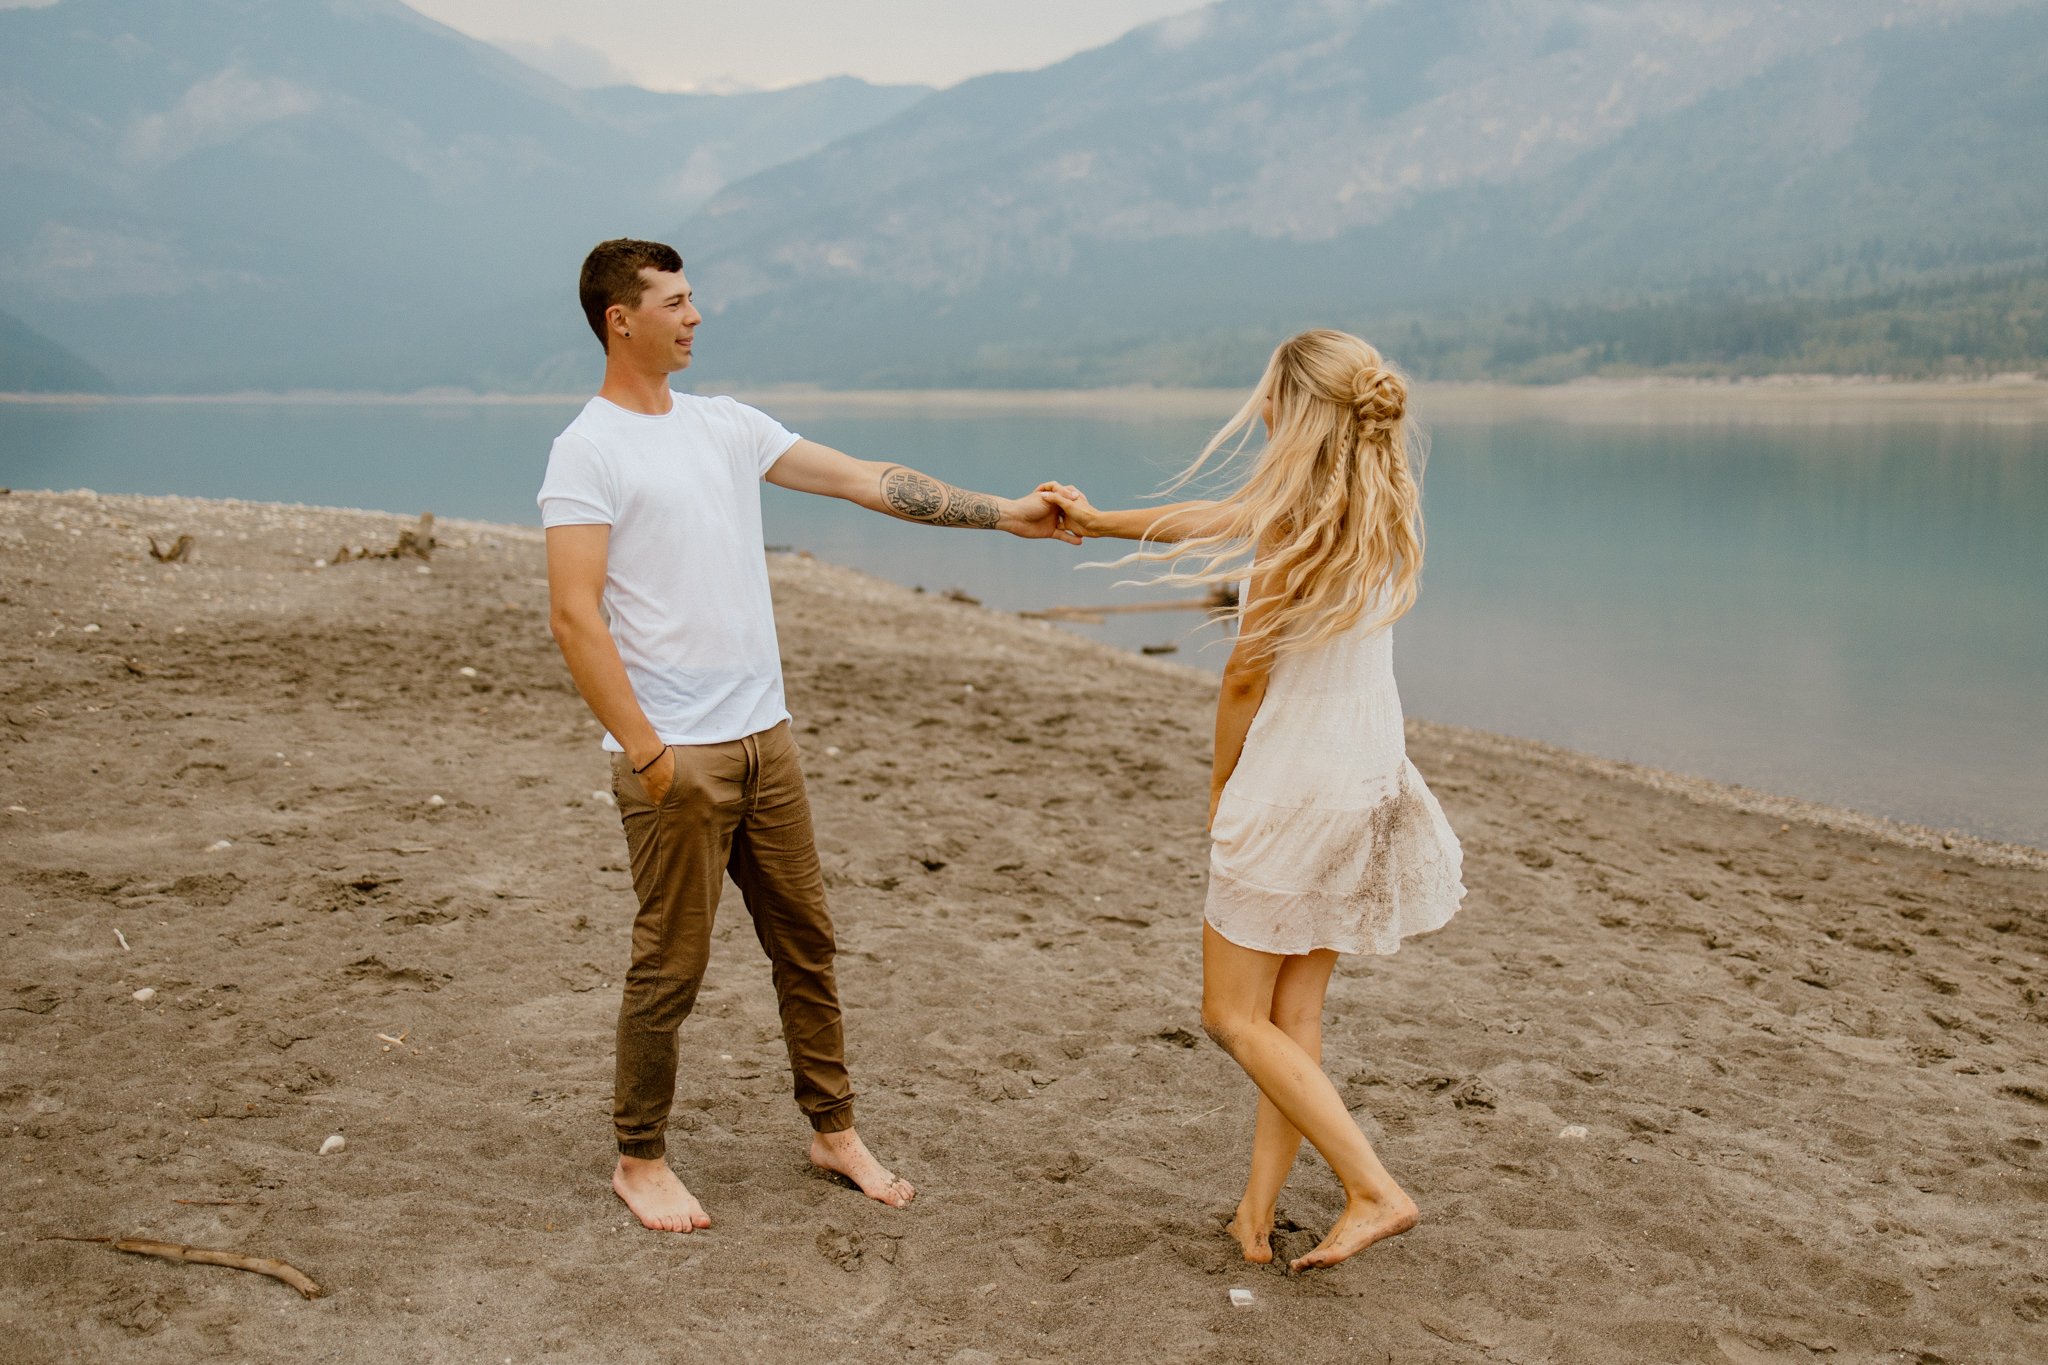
(738, 807)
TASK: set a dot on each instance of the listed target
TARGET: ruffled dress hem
(1363, 880)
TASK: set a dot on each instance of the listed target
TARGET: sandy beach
(1695, 1075)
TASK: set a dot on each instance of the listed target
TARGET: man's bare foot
(656, 1197)
(1254, 1236)
(844, 1154)
(1364, 1222)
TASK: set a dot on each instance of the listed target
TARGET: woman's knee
(1223, 1024)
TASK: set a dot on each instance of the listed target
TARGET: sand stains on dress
(1326, 835)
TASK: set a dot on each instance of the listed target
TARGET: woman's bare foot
(1254, 1236)
(1364, 1222)
(656, 1197)
(844, 1154)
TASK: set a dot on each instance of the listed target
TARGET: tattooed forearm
(919, 497)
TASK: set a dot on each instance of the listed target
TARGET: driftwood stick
(1122, 609)
(234, 1260)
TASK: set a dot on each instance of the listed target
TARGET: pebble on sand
(467, 672)
(1240, 1298)
(145, 995)
(436, 801)
(604, 798)
(333, 1144)
(1575, 1131)
(219, 846)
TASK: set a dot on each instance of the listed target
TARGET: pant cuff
(651, 1150)
(833, 1120)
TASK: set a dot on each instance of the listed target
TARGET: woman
(1324, 838)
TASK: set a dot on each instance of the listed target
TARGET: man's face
(662, 326)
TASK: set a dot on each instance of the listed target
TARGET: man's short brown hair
(611, 274)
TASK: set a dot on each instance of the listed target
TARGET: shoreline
(1703, 790)
(2016, 397)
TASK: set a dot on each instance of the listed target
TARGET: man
(653, 514)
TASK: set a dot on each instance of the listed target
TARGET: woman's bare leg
(1298, 991)
(1237, 1003)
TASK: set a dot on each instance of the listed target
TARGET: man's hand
(659, 777)
(1035, 517)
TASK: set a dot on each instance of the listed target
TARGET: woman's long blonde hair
(1332, 506)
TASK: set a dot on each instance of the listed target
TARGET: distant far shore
(2022, 397)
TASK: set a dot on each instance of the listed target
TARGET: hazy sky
(723, 44)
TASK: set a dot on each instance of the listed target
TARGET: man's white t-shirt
(686, 579)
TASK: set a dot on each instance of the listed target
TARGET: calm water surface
(1854, 613)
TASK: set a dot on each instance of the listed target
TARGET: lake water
(1851, 612)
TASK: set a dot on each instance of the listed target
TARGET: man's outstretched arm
(902, 492)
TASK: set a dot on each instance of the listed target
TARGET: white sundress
(1325, 836)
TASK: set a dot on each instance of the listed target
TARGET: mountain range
(1147, 210)
(340, 193)
(332, 193)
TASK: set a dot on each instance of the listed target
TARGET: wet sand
(1695, 1075)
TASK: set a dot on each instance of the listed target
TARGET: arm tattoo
(919, 497)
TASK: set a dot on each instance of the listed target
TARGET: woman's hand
(1215, 798)
(1078, 514)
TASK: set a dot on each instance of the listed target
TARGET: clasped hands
(1057, 511)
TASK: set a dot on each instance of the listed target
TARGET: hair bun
(1379, 398)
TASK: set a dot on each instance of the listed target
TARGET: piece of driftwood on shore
(190, 1255)
(1220, 600)
(416, 541)
(180, 548)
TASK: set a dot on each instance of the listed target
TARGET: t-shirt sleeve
(576, 491)
(763, 439)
